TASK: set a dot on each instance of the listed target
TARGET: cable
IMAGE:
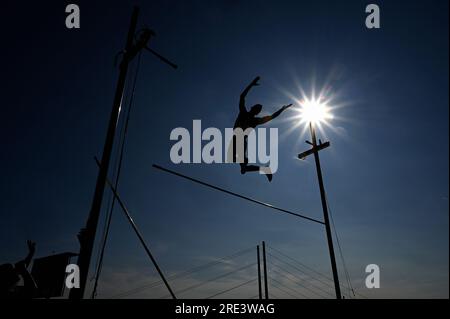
(283, 275)
(183, 274)
(117, 177)
(330, 285)
(228, 290)
(298, 262)
(286, 292)
(305, 274)
(347, 276)
(294, 290)
(187, 272)
(302, 271)
(274, 295)
(312, 270)
(302, 279)
(210, 280)
(110, 197)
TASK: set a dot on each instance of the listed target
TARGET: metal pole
(87, 235)
(266, 287)
(259, 272)
(138, 233)
(325, 212)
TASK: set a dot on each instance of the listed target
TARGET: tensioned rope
(318, 275)
(347, 275)
(295, 282)
(284, 291)
(232, 288)
(236, 194)
(117, 177)
(287, 287)
(183, 274)
(299, 279)
(182, 291)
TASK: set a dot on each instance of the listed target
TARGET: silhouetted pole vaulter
(315, 150)
(138, 233)
(247, 119)
(87, 234)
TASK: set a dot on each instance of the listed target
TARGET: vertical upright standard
(315, 150)
(266, 286)
(87, 234)
(259, 273)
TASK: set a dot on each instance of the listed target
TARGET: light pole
(313, 115)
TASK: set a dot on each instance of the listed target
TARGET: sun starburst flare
(313, 111)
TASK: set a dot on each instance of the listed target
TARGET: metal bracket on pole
(317, 148)
(163, 59)
(142, 43)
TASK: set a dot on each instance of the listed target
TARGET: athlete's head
(255, 109)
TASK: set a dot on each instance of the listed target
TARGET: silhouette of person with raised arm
(248, 119)
(10, 276)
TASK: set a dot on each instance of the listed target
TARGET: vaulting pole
(87, 234)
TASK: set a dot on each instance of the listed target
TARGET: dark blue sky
(386, 173)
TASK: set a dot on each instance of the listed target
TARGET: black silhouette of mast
(86, 236)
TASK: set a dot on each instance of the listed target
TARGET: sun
(313, 111)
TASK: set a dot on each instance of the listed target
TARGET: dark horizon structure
(87, 235)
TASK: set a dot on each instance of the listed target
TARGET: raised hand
(31, 250)
(286, 106)
(31, 246)
(255, 81)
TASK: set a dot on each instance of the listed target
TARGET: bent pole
(236, 194)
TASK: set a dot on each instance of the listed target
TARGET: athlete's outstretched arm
(31, 250)
(245, 92)
(269, 118)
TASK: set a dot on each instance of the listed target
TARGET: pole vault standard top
(235, 194)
